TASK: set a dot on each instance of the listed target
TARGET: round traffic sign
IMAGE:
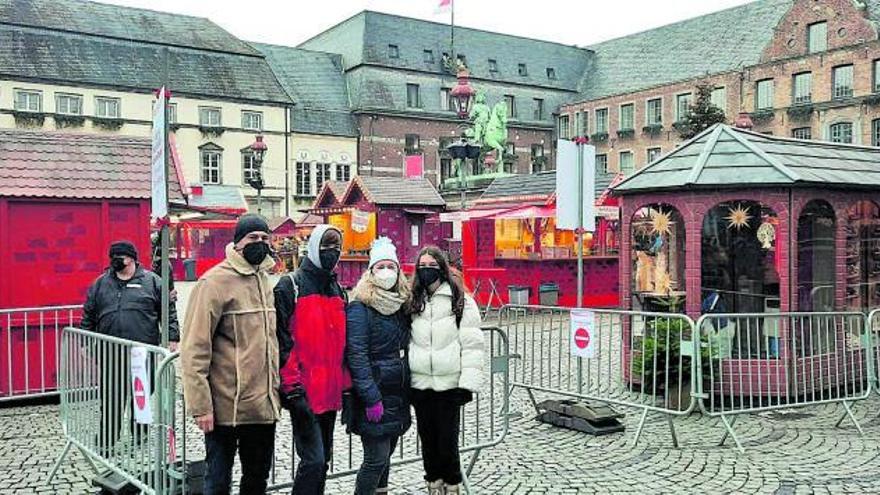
(582, 338)
(140, 398)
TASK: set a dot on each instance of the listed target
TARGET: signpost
(140, 386)
(582, 333)
(159, 196)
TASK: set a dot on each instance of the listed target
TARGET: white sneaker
(436, 488)
(452, 489)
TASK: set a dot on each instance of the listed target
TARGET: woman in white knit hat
(377, 337)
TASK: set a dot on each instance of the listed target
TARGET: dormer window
(493, 65)
(393, 51)
(551, 73)
(521, 70)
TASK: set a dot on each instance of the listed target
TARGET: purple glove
(375, 412)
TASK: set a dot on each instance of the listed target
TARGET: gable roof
(725, 157)
(122, 23)
(538, 187)
(395, 191)
(40, 164)
(316, 84)
(332, 189)
(714, 43)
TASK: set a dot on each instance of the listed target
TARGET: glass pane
(658, 257)
(817, 37)
(863, 256)
(816, 243)
(843, 81)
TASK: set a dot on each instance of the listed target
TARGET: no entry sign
(140, 386)
(582, 333)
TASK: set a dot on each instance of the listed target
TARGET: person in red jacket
(310, 311)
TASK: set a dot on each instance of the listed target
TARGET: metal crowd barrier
(766, 361)
(874, 327)
(640, 360)
(99, 398)
(29, 344)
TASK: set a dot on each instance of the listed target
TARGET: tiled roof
(315, 82)
(28, 53)
(539, 185)
(124, 23)
(710, 44)
(398, 191)
(727, 157)
(338, 187)
(77, 166)
(222, 197)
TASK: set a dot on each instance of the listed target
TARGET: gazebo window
(816, 257)
(658, 257)
(863, 256)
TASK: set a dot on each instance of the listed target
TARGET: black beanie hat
(123, 248)
(248, 223)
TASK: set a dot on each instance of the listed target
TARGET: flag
(443, 6)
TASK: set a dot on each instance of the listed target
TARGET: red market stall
(404, 210)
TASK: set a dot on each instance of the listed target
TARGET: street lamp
(462, 96)
(258, 152)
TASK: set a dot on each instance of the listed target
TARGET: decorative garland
(872, 99)
(599, 137)
(29, 119)
(108, 124)
(762, 116)
(800, 112)
(64, 121)
(653, 129)
(211, 132)
(626, 133)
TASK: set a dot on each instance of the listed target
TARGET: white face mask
(385, 278)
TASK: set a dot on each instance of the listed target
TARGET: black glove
(290, 400)
(461, 396)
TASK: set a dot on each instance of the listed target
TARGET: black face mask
(329, 258)
(255, 252)
(428, 275)
(118, 264)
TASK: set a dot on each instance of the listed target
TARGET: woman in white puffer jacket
(446, 363)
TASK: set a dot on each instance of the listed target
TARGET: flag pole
(452, 29)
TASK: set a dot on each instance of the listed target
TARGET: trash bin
(189, 270)
(548, 293)
(518, 294)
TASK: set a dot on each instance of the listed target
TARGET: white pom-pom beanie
(383, 250)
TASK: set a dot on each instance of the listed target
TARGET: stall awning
(526, 213)
(417, 211)
(463, 216)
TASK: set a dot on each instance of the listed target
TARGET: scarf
(386, 302)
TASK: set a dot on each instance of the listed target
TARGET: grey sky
(575, 22)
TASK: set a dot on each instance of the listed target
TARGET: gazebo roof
(723, 156)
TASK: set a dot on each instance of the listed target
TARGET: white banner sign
(140, 386)
(582, 333)
(567, 186)
(360, 221)
(159, 205)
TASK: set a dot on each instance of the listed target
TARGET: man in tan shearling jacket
(229, 359)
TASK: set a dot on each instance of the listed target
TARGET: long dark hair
(420, 292)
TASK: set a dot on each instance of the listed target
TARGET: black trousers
(255, 445)
(313, 440)
(438, 418)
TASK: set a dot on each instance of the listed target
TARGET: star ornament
(738, 218)
(661, 223)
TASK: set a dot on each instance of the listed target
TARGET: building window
(602, 163)
(107, 108)
(445, 169)
(252, 121)
(841, 133)
(876, 84)
(627, 114)
(28, 101)
(875, 132)
(653, 154)
(412, 145)
(654, 113)
(842, 81)
(626, 162)
(343, 172)
(493, 66)
(322, 175)
(446, 103)
(211, 163)
(764, 94)
(719, 98)
(303, 179)
(393, 51)
(248, 167)
(803, 88)
(511, 105)
(817, 37)
(172, 113)
(413, 99)
(538, 158)
(682, 106)
(564, 127)
(539, 109)
(522, 70)
(509, 157)
(428, 56)
(68, 104)
(461, 58)
(209, 117)
(584, 123)
(602, 121)
(551, 73)
(802, 133)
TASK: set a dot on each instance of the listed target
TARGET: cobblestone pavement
(791, 452)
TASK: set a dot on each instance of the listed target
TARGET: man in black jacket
(124, 302)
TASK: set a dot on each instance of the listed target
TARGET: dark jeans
(255, 445)
(438, 416)
(313, 440)
(377, 464)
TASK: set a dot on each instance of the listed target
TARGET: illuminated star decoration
(660, 222)
(738, 218)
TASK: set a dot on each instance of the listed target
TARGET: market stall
(404, 210)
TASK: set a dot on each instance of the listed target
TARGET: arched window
(658, 257)
(816, 257)
(863, 256)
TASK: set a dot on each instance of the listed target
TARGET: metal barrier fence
(29, 344)
(99, 411)
(640, 360)
(765, 361)
(874, 327)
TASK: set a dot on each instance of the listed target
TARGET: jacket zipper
(266, 336)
